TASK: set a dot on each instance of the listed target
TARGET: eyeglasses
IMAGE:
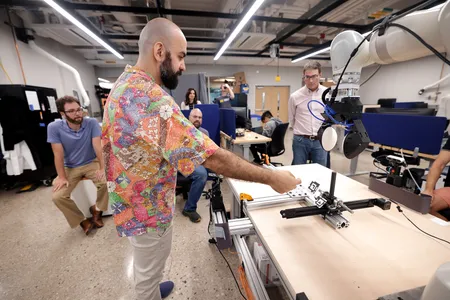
(306, 77)
(74, 111)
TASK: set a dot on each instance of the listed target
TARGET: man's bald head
(162, 48)
(196, 117)
(159, 30)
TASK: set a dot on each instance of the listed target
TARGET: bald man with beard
(145, 140)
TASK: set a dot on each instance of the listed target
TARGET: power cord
(407, 169)
(213, 241)
(430, 235)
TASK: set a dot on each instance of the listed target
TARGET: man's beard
(169, 77)
(197, 124)
(74, 121)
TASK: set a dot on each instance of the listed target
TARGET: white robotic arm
(385, 45)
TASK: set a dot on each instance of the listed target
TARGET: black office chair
(276, 146)
(183, 185)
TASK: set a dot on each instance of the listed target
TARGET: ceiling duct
(253, 40)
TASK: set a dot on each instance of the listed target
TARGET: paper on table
(52, 102)
(32, 99)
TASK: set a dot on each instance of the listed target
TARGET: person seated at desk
(226, 95)
(440, 197)
(190, 100)
(269, 124)
(76, 145)
(198, 177)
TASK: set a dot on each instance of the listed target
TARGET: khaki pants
(67, 206)
(150, 252)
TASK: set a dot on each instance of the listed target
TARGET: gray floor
(42, 258)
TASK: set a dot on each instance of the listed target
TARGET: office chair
(276, 146)
(183, 185)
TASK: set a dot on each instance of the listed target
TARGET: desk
(379, 254)
(248, 139)
(428, 157)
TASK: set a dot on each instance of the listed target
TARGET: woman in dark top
(191, 100)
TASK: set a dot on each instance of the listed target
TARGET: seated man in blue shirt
(198, 177)
(269, 124)
(76, 145)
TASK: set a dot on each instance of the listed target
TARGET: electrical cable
(310, 111)
(16, 46)
(433, 236)
(439, 55)
(232, 273)
(6, 73)
(370, 77)
(378, 167)
(213, 241)
(335, 91)
(406, 167)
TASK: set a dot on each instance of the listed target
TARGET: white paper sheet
(52, 102)
(32, 99)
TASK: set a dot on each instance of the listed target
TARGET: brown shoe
(87, 226)
(96, 216)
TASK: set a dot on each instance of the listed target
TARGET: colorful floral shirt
(146, 139)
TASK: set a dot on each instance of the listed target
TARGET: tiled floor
(42, 258)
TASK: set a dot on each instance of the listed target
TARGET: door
(273, 98)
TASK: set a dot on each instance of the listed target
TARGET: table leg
(236, 208)
(246, 152)
(354, 166)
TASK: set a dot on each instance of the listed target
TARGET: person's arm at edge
(269, 128)
(97, 144)
(435, 171)
(230, 91)
(58, 153)
(227, 164)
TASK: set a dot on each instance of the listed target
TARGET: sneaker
(165, 288)
(193, 216)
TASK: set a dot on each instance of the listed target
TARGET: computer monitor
(240, 100)
(387, 102)
(403, 111)
(241, 116)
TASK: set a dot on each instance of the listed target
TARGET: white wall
(404, 80)
(40, 71)
(255, 75)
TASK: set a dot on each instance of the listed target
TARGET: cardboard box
(240, 77)
(265, 267)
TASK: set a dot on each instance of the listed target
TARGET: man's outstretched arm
(227, 164)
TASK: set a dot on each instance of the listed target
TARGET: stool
(85, 195)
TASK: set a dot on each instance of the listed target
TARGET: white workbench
(379, 254)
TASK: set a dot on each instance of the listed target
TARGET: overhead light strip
(77, 23)
(239, 27)
(320, 51)
(103, 80)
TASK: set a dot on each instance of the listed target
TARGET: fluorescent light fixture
(103, 80)
(69, 17)
(238, 28)
(106, 85)
(311, 54)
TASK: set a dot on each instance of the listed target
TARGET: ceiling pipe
(123, 17)
(86, 101)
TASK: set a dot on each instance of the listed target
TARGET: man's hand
(60, 183)
(283, 181)
(100, 175)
